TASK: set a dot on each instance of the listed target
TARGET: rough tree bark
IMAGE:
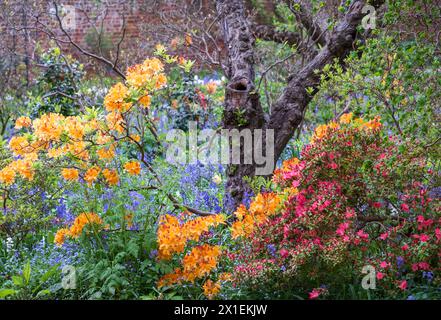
(287, 112)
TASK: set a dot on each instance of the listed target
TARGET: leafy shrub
(356, 197)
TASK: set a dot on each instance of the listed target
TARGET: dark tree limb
(288, 109)
(269, 33)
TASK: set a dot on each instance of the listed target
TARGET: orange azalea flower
(70, 174)
(161, 81)
(346, 118)
(211, 289)
(115, 98)
(111, 176)
(188, 40)
(7, 175)
(211, 87)
(81, 221)
(115, 121)
(61, 236)
(24, 168)
(92, 174)
(141, 75)
(133, 167)
(173, 235)
(20, 145)
(49, 127)
(106, 153)
(145, 101)
(23, 122)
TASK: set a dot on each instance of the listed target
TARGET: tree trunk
(242, 105)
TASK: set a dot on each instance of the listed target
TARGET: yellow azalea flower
(92, 174)
(225, 276)
(160, 47)
(23, 122)
(57, 152)
(111, 176)
(133, 167)
(346, 118)
(70, 174)
(74, 128)
(60, 236)
(211, 289)
(115, 98)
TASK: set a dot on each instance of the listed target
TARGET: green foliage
(57, 87)
(25, 286)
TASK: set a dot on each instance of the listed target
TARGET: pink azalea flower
(284, 253)
(424, 266)
(405, 247)
(403, 285)
(384, 264)
(362, 234)
(380, 275)
(314, 294)
(333, 165)
(350, 213)
(424, 238)
(438, 233)
(384, 236)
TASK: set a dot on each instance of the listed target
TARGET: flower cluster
(174, 237)
(199, 262)
(354, 189)
(89, 140)
(173, 234)
(76, 229)
(264, 205)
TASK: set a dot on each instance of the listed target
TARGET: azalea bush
(356, 197)
(97, 160)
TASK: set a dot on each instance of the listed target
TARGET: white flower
(9, 244)
(217, 179)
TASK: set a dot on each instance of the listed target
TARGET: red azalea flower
(404, 207)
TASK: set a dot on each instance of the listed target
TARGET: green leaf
(49, 273)
(27, 272)
(17, 280)
(6, 292)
